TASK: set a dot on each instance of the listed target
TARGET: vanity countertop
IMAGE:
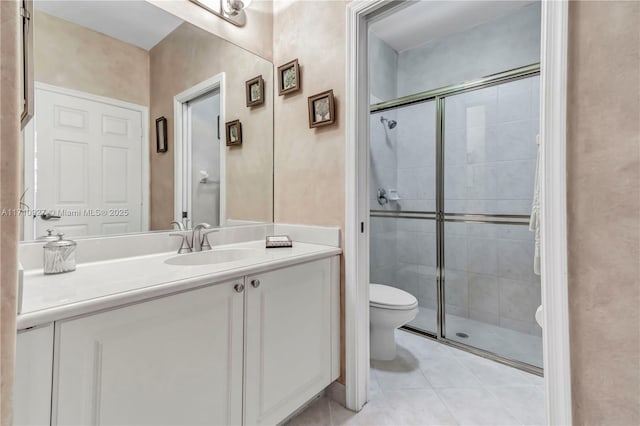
(101, 285)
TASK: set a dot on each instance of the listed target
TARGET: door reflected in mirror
(97, 163)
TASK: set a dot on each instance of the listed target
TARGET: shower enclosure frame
(439, 96)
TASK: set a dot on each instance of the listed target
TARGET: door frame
(553, 83)
(29, 135)
(181, 137)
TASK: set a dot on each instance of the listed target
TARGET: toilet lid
(390, 297)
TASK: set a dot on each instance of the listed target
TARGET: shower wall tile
(379, 255)
(515, 179)
(417, 225)
(484, 316)
(482, 230)
(383, 70)
(515, 260)
(501, 44)
(426, 249)
(522, 207)
(484, 294)
(456, 151)
(514, 101)
(455, 250)
(514, 232)
(457, 290)
(407, 277)
(482, 256)
(455, 183)
(518, 300)
(512, 141)
(482, 181)
(459, 311)
(427, 291)
(416, 205)
(383, 276)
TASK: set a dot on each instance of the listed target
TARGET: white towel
(534, 222)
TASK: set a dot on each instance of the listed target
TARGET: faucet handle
(185, 247)
(205, 240)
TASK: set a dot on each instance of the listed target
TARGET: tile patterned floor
(432, 384)
(506, 342)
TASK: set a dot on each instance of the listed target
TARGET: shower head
(390, 123)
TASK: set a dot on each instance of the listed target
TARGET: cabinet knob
(255, 283)
(239, 288)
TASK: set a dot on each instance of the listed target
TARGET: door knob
(255, 283)
(239, 288)
(49, 216)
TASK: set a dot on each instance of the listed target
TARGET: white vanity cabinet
(290, 324)
(250, 351)
(33, 376)
(176, 360)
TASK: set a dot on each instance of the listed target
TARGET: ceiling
(135, 22)
(423, 21)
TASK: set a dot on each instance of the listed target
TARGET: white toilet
(389, 308)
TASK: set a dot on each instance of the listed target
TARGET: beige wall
(604, 211)
(256, 36)
(72, 56)
(183, 59)
(9, 178)
(309, 164)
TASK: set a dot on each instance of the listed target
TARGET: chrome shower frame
(440, 216)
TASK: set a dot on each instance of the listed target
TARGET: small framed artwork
(289, 77)
(321, 109)
(255, 91)
(234, 133)
(161, 134)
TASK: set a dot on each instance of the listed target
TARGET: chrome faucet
(179, 225)
(199, 238)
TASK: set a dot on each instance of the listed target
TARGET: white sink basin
(211, 257)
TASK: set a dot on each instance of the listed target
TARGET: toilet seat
(387, 297)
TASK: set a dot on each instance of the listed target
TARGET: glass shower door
(402, 205)
(489, 153)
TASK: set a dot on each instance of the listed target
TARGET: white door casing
(556, 349)
(182, 152)
(91, 165)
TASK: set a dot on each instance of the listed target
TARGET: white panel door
(171, 361)
(88, 165)
(289, 347)
(33, 377)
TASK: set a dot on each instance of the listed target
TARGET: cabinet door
(289, 347)
(33, 375)
(170, 361)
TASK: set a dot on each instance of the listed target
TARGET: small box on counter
(275, 241)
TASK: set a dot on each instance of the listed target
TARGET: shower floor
(505, 342)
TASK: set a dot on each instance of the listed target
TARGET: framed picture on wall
(234, 133)
(321, 109)
(255, 91)
(289, 77)
(161, 134)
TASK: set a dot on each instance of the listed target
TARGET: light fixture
(232, 11)
(234, 7)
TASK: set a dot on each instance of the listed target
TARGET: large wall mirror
(129, 127)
